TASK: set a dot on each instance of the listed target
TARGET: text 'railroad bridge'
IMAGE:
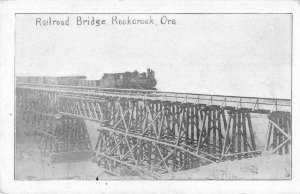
(149, 132)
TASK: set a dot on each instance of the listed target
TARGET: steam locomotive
(127, 80)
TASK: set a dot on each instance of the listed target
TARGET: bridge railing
(255, 104)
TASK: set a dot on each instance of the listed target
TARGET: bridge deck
(254, 104)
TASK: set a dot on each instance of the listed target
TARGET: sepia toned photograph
(153, 96)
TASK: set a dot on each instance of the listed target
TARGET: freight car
(63, 80)
(127, 80)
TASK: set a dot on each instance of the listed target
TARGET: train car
(22, 79)
(32, 79)
(93, 83)
(67, 80)
(40, 80)
(88, 83)
(50, 80)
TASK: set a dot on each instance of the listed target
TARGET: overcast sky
(229, 54)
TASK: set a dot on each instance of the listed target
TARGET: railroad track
(255, 104)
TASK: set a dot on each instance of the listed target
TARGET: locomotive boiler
(129, 80)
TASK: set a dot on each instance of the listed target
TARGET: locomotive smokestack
(148, 72)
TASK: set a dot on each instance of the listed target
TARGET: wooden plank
(253, 144)
(233, 138)
(208, 131)
(197, 115)
(224, 119)
(227, 131)
(285, 125)
(282, 131)
(168, 121)
(192, 123)
(280, 136)
(187, 125)
(156, 110)
(244, 132)
(174, 160)
(214, 111)
(219, 112)
(239, 132)
(280, 145)
(141, 150)
(203, 130)
(173, 118)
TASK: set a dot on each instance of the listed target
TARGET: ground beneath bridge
(264, 167)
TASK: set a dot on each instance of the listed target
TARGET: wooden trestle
(139, 135)
(279, 133)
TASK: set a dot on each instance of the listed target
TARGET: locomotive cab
(150, 73)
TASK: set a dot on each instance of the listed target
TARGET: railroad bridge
(148, 133)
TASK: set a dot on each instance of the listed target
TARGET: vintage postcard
(170, 93)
